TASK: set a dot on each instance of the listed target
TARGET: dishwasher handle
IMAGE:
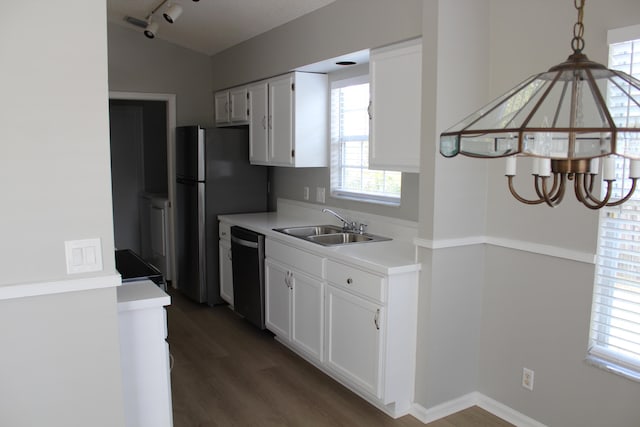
(243, 242)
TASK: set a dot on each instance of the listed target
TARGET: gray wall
(536, 308)
(59, 364)
(452, 202)
(138, 64)
(343, 27)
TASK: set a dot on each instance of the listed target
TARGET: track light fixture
(150, 26)
(173, 13)
(151, 30)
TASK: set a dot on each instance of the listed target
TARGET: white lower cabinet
(277, 299)
(306, 304)
(353, 334)
(294, 308)
(356, 325)
(226, 271)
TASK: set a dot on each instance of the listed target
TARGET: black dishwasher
(247, 249)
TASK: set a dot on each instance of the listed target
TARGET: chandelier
(560, 119)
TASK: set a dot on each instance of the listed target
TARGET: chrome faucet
(346, 224)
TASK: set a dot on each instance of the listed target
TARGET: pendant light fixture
(560, 119)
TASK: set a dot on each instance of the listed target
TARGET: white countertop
(387, 257)
(140, 295)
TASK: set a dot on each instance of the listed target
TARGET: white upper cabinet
(258, 125)
(396, 104)
(288, 121)
(232, 106)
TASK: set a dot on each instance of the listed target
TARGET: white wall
(59, 364)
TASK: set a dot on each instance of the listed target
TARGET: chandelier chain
(577, 43)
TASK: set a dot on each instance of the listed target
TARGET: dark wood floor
(226, 372)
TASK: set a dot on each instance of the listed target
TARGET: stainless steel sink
(310, 230)
(329, 235)
(340, 238)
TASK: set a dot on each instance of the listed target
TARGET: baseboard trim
(473, 399)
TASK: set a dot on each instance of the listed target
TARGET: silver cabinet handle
(264, 122)
(288, 280)
(376, 319)
(369, 110)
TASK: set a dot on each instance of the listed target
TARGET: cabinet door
(226, 272)
(307, 314)
(238, 111)
(281, 121)
(258, 123)
(222, 107)
(278, 299)
(396, 105)
(353, 332)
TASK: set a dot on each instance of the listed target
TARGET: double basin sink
(329, 235)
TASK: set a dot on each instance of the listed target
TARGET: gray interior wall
(342, 27)
(452, 202)
(59, 364)
(536, 308)
(138, 64)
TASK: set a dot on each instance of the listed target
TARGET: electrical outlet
(306, 193)
(320, 194)
(527, 378)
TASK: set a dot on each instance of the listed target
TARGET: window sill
(364, 199)
(612, 367)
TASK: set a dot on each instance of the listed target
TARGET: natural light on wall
(615, 319)
(350, 176)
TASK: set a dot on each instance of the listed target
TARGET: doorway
(142, 127)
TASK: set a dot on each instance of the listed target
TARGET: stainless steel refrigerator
(213, 177)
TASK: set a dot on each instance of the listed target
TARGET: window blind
(350, 173)
(615, 319)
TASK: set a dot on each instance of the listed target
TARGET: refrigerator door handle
(201, 155)
(202, 259)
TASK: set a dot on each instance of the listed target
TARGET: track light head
(151, 30)
(172, 14)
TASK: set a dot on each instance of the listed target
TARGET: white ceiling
(210, 26)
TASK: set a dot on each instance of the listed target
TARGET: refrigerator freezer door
(190, 225)
(190, 153)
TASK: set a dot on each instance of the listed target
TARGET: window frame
(602, 342)
(336, 190)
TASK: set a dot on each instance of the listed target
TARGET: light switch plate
(320, 194)
(83, 256)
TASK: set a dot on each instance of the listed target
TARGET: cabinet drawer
(294, 257)
(355, 280)
(224, 231)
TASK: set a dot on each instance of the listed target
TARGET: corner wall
(59, 364)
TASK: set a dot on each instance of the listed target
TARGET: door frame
(170, 100)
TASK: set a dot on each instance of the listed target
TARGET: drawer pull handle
(376, 319)
(349, 281)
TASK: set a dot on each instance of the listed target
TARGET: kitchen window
(615, 319)
(351, 177)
